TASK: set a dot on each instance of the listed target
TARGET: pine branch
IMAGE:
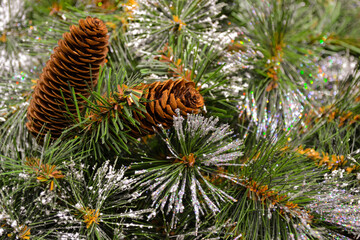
(160, 22)
(194, 150)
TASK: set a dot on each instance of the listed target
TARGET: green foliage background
(276, 146)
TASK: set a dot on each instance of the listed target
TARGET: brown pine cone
(162, 100)
(76, 63)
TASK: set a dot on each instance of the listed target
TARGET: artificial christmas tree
(186, 120)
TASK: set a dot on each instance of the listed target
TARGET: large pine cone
(162, 100)
(76, 63)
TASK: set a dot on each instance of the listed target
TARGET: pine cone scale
(50, 106)
(72, 61)
(170, 110)
(59, 82)
(53, 92)
(164, 98)
(77, 37)
(46, 120)
(143, 124)
(182, 108)
(159, 111)
(86, 79)
(172, 102)
(98, 52)
(149, 119)
(59, 55)
(46, 110)
(56, 71)
(48, 125)
(70, 40)
(66, 49)
(151, 104)
(92, 42)
(80, 71)
(86, 29)
(34, 114)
